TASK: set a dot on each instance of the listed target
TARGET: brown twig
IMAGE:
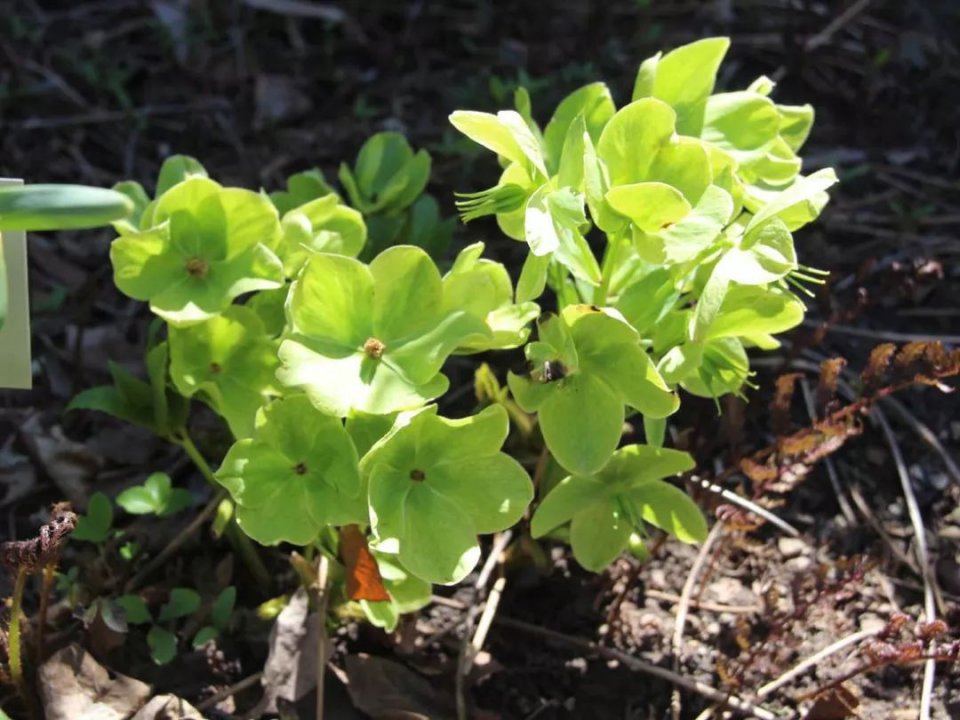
(684, 607)
(214, 700)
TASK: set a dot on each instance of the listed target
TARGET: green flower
(371, 338)
(435, 484)
(588, 364)
(296, 475)
(321, 225)
(604, 509)
(230, 362)
(199, 246)
(407, 594)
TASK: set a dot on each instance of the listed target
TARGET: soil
(102, 90)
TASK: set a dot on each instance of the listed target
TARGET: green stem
(241, 544)
(13, 640)
(610, 257)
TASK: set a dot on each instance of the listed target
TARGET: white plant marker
(15, 366)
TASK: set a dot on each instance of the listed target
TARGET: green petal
(756, 310)
(494, 491)
(408, 295)
(349, 381)
(439, 542)
(599, 534)
(332, 301)
(594, 102)
(570, 496)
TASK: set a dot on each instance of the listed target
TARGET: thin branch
(886, 335)
(817, 657)
(916, 519)
(842, 500)
(684, 608)
(825, 35)
(747, 505)
(174, 545)
(214, 700)
(707, 691)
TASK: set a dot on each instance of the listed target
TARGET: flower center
(300, 469)
(418, 475)
(197, 268)
(374, 348)
(215, 368)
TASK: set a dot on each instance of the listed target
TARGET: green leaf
(797, 205)
(742, 123)
(684, 165)
(581, 420)
(598, 534)
(181, 603)
(756, 310)
(572, 495)
(505, 133)
(651, 206)
(684, 79)
(129, 398)
(222, 607)
(646, 302)
(302, 187)
(176, 169)
(203, 636)
(296, 475)
(631, 139)
(795, 124)
(694, 233)
(155, 496)
(135, 609)
(552, 225)
(162, 644)
(670, 509)
(593, 103)
(533, 278)
(95, 525)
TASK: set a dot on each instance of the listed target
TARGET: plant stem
(13, 641)
(610, 257)
(241, 544)
(49, 573)
(323, 567)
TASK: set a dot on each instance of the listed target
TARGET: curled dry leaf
(74, 686)
(363, 574)
(168, 707)
(291, 668)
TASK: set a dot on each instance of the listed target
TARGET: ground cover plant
(310, 354)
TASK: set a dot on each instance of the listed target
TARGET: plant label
(15, 366)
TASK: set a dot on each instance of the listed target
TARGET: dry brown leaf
(168, 707)
(74, 686)
(387, 690)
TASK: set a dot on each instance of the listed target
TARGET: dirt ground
(101, 90)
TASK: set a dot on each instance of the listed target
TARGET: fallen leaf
(277, 99)
(837, 703)
(291, 668)
(168, 707)
(70, 465)
(387, 690)
(74, 686)
(363, 574)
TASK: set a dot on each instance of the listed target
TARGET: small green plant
(319, 332)
(162, 637)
